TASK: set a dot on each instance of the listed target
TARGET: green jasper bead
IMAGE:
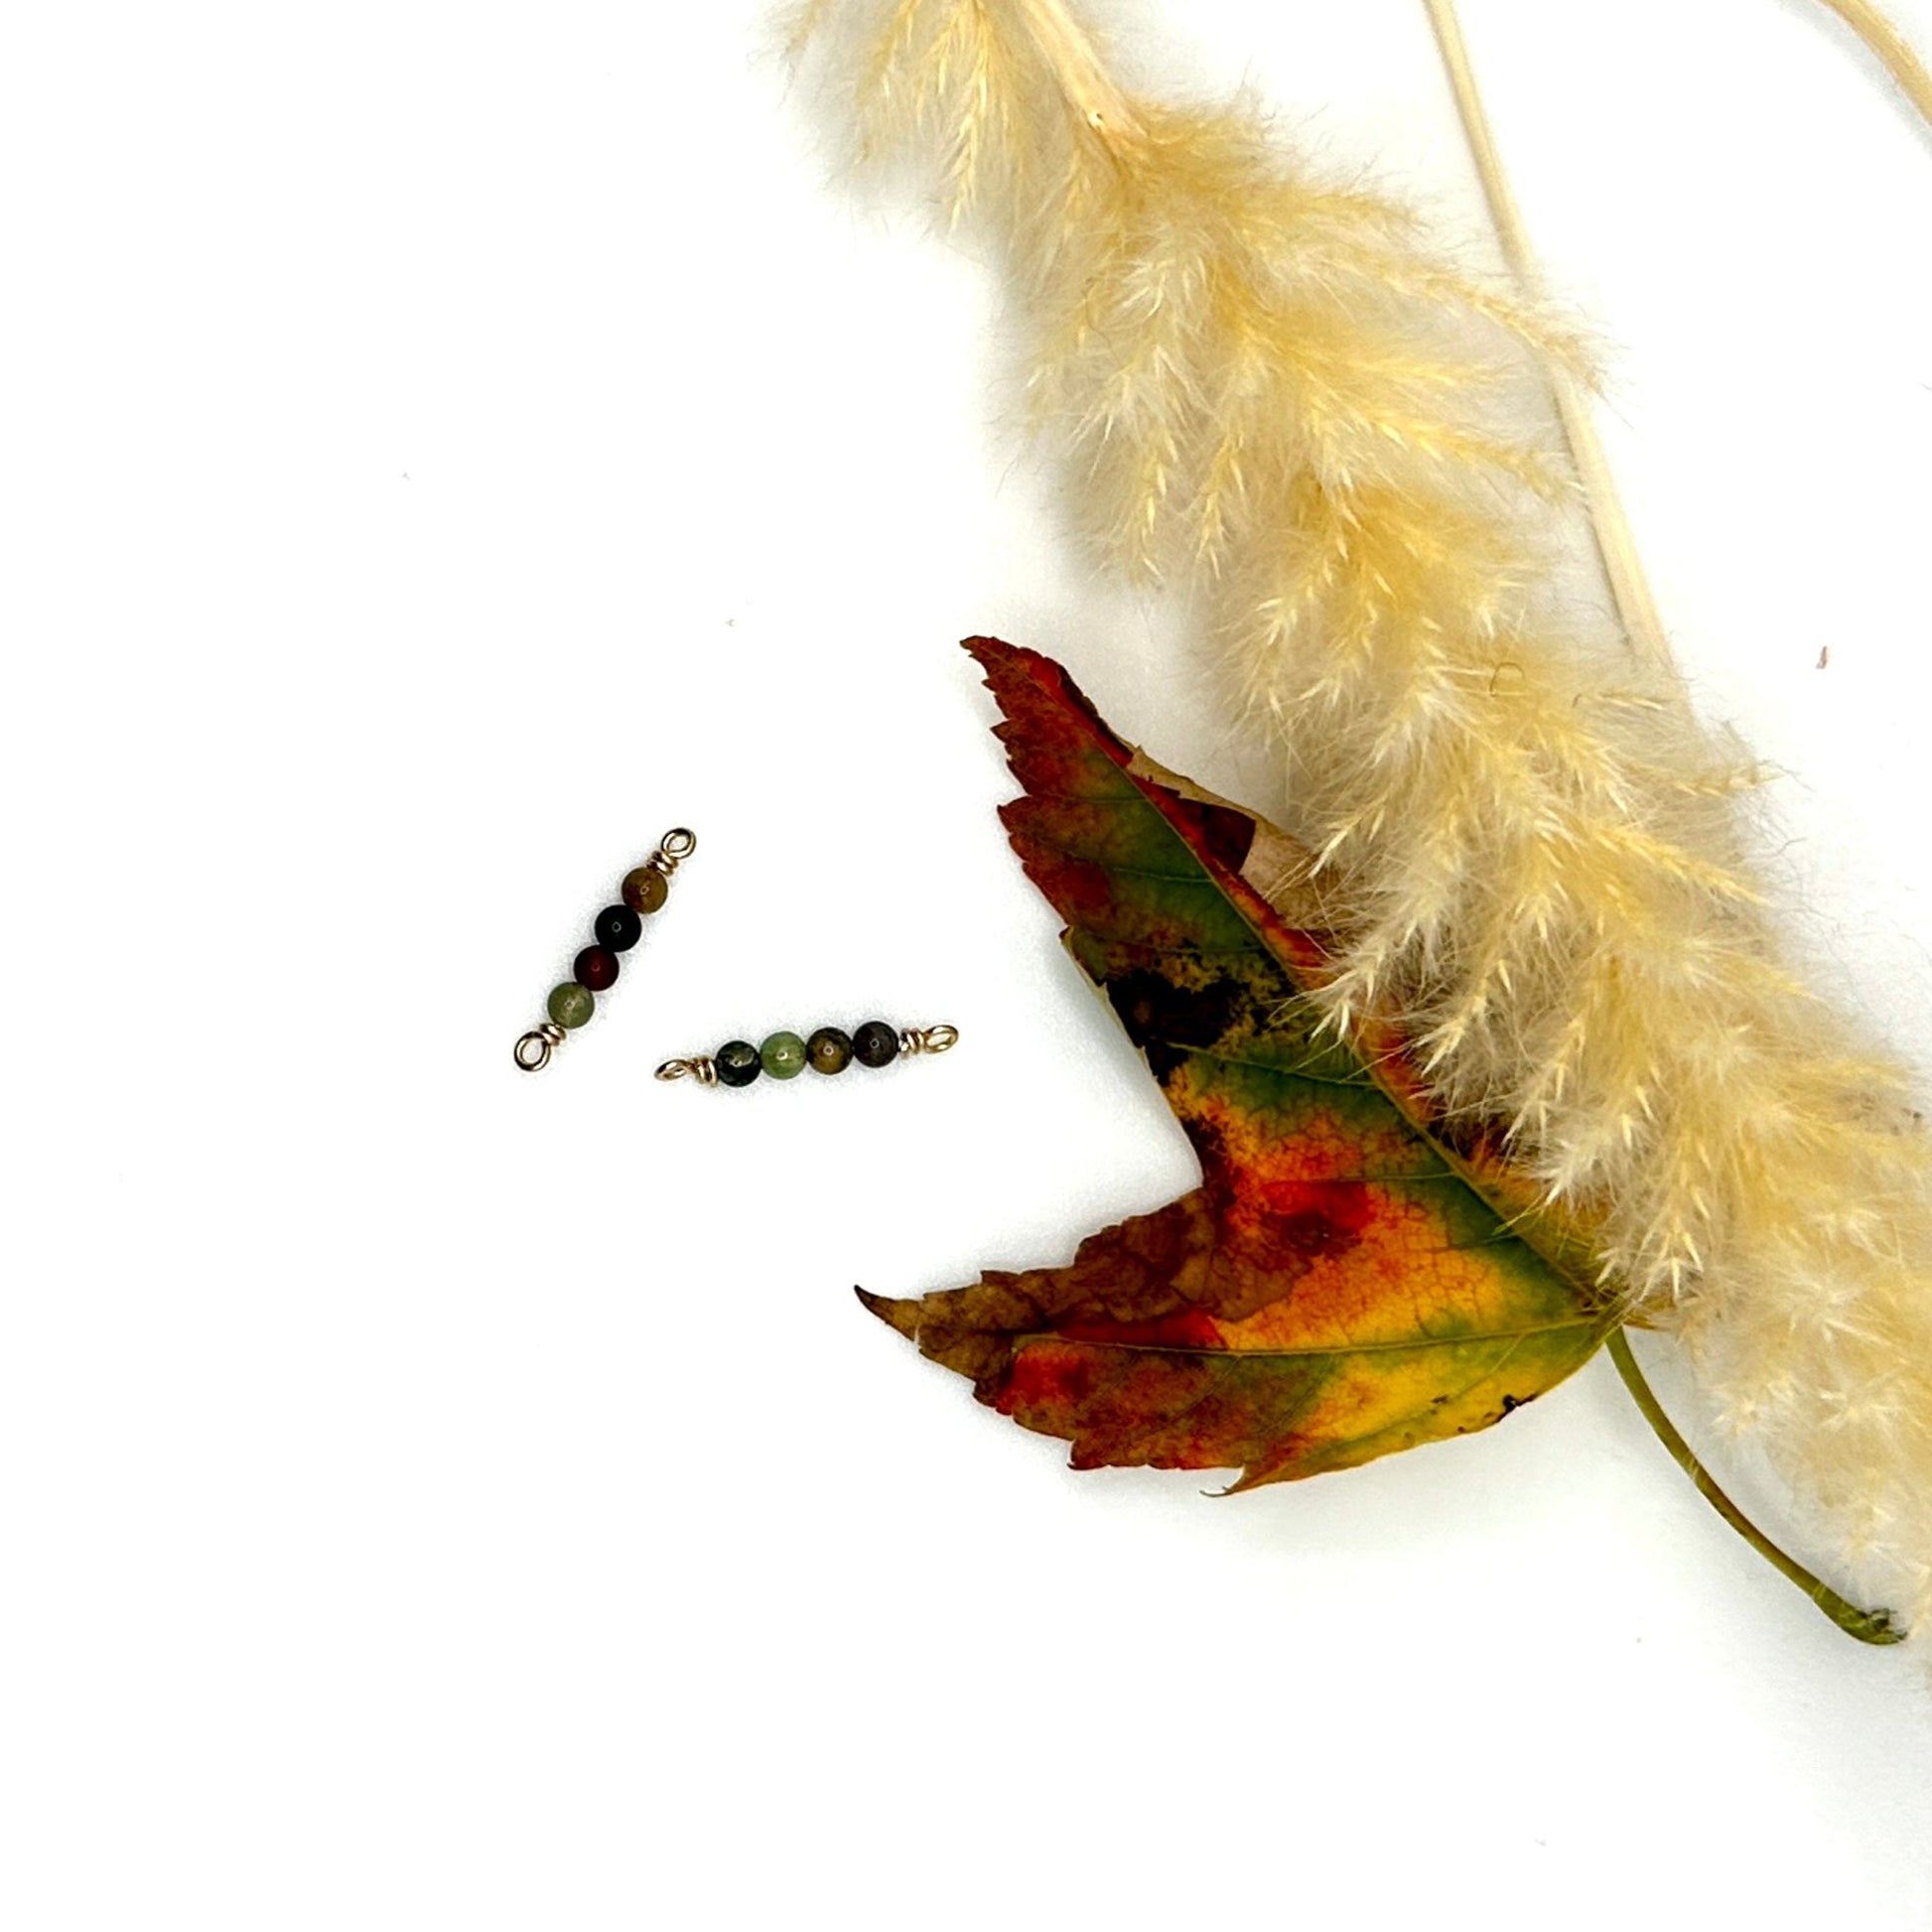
(829, 1051)
(570, 1005)
(783, 1057)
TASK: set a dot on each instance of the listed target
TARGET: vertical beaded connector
(613, 932)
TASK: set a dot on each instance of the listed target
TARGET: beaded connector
(784, 1056)
(614, 931)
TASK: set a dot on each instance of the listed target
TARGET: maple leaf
(1350, 1278)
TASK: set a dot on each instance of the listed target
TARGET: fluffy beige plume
(1267, 392)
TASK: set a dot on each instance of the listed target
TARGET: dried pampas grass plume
(1265, 390)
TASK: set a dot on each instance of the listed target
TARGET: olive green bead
(570, 1005)
(829, 1051)
(783, 1057)
(645, 889)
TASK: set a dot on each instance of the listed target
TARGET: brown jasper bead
(828, 1051)
(645, 889)
(597, 968)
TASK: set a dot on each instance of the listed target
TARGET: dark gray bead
(736, 1063)
(875, 1043)
(618, 928)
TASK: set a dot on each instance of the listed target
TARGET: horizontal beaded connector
(784, 1056)
(613, 932)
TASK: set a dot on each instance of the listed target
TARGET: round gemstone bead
(875, 1043)
(570, 1005)
(618, 928)
(736, 1063)
(597, 968)
(645, 889)
(829, 1051)
(783, 1057)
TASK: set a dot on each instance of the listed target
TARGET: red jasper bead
(597, 968)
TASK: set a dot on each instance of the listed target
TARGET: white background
(444, 447)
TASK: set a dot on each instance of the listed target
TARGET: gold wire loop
(928, 1040)
(700, 1067)
(533, 1050)
(674, 849)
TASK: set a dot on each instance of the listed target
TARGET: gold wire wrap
(928, 1040)
(533, 1050)
(674, 849)
(701, 1068)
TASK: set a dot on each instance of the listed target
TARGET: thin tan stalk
(1892, 49)
(1071, 54)
(1616, 545)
